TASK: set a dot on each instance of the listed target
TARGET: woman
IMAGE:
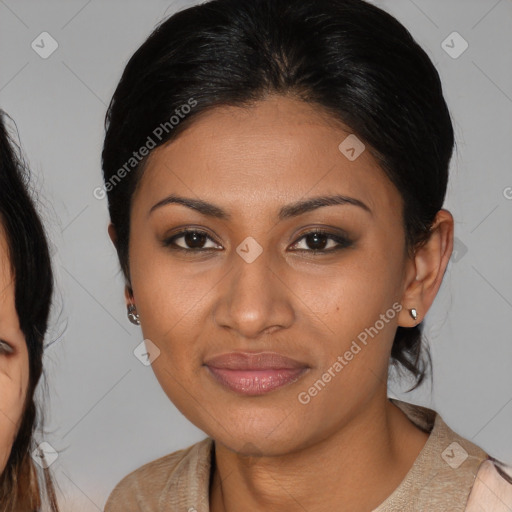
(276, 171)
(26, 285)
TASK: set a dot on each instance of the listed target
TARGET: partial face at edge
(307, 306)
(14, 363)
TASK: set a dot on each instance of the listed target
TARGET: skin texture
(14, 364)
(349, 445)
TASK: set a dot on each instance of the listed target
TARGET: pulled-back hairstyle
(20, 489)
(346, 57)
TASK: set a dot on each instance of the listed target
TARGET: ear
(112, 234)
(425, 270)
(128, 296)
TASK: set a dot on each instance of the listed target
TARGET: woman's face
(257, 285)
(14, 364)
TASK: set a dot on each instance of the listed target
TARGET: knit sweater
(440, 479)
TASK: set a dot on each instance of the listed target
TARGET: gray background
(106, 413)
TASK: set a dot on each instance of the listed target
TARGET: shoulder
(143, 488)
(445, 470)
(446, 446)
(492, 488)
(482, 482)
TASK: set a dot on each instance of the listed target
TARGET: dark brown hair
(20, 489)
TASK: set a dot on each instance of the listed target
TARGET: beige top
(440, 479)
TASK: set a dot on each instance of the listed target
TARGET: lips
(251, 373)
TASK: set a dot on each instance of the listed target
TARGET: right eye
(193, 240)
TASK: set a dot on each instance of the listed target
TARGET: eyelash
(342, 241)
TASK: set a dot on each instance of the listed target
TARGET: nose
(255, 299)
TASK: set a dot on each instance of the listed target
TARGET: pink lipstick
(251, 373)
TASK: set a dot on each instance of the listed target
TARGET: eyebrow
(291, 210)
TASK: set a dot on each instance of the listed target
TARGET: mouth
(250, 373)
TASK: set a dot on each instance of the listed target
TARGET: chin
(256, 442)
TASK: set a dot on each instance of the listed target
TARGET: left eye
(5, 348)
(318, 241)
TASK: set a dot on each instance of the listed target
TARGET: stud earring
(132, 314)
(413, 313)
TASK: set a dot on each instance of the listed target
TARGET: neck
(356, 468)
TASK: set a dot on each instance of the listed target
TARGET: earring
(413, 313)
(132, 314)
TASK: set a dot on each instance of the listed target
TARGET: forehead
(5, 263)
(5, 266)
(8, 315)
(274, 151)
(9, 322)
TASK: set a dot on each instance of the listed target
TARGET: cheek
(358, 304)
(174, 306)
(353, 295)
(168, 299)
(13, 383)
